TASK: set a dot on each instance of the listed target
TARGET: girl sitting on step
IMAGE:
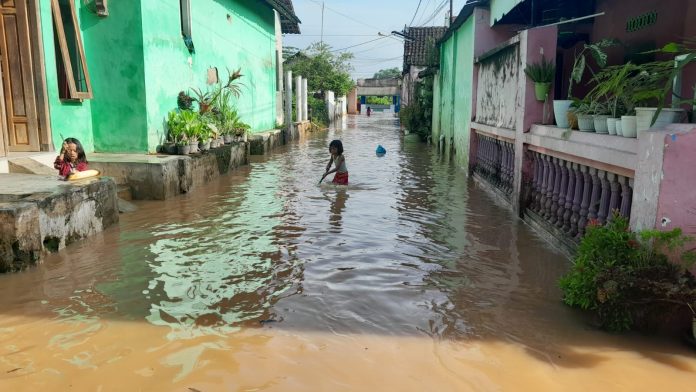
(72, 158)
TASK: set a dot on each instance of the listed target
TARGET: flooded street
(409, 279)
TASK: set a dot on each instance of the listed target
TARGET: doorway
(19, 122)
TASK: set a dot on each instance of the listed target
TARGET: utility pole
(322, 22)
(450, 15)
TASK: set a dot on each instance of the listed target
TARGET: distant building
(420, 51)
(108, 73)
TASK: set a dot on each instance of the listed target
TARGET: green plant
(541, 72)
(596, 50)
(627, 278)
(684, 54)
(209, 98)
(318, 112)
(241, 128)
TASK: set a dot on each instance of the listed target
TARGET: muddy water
(409, 279)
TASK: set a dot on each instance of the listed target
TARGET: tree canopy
(324, 69)
(388, 73)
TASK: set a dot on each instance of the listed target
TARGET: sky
(356, 22)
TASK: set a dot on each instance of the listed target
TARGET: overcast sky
(355, 22)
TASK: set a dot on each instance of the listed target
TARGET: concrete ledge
(159, 177)
(262, 143)
(41, 214)
(614, 153)
(497, 132)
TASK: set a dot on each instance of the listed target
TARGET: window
(73, 77)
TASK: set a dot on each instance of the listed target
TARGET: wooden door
(21, 126)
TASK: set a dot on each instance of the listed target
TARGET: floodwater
(409, 279)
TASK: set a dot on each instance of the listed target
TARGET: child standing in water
(72, 158)
(339, 161)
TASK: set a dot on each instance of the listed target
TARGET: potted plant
(600, 116)
(241, 130)
(182, 146)
(542, 74)
(583, 111)
(611, 85)
(627, 278)
(560, 107)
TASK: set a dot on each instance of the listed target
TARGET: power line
(415, 13)
(423, 13)
(362, 43)
(347, 16)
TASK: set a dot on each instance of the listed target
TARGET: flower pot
(572, 119)
(204, 146)
(244, 137)
(169, 148)
(618, 127)
(203, 107)
(228, 139)
(184, 149)
(193, 147)
(600, 123)
(214, 143)
(586, 122)
(611, 125)
(541, 90)
(628, 126)
(560, 112)
(667, 116)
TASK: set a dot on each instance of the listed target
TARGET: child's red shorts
(340, 179)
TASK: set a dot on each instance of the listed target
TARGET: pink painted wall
(541, 42)
(677, 200)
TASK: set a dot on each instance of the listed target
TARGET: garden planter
(611, 126)
(618, 127)
(169, 148)
(600, 123)
(214, 143)
(628, 126)
(560, 112)
(183, 149)
(586, 122)
(541, 90)
(193, 146)
(667, 116)
(228, 139)
(204, 146)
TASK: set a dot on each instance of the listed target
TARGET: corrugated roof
(289, 22)
(416, 50)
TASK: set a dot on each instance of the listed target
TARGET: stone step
(29, 166)
(124, 192)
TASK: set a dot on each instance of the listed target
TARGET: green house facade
(108, 73)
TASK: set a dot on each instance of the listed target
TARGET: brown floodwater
(410, 279)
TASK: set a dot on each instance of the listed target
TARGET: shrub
(626, 277)
(318, 113)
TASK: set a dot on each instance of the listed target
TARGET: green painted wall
(114, 51)
(226, 34)
(69, 119)
(454, 103)
(463, 85)
(501, 7)
(436, 108)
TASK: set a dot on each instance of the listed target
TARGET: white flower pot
(619, 131)
(586, 122)
(600, 123)
(667, 116)
(560, 112)
(628, 126)
(611, 125)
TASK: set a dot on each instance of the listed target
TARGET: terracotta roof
(416, 50)
(289, 22)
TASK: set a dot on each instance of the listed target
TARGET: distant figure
(72, 158)
(339, 161)
(369, 111)
(359, 107)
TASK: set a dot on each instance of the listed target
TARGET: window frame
(65, 53)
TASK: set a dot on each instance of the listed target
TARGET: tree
(324, 69)
(388, 73)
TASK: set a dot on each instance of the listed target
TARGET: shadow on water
(410, 248)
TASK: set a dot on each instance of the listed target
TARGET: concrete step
(29, 166)
(124, 192)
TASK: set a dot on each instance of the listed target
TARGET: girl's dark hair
(339, 146)
(81, 157)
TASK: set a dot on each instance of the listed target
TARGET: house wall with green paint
(69, 119)
(227, 34)
(463, 90)
(115, 58)
(455, 91)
